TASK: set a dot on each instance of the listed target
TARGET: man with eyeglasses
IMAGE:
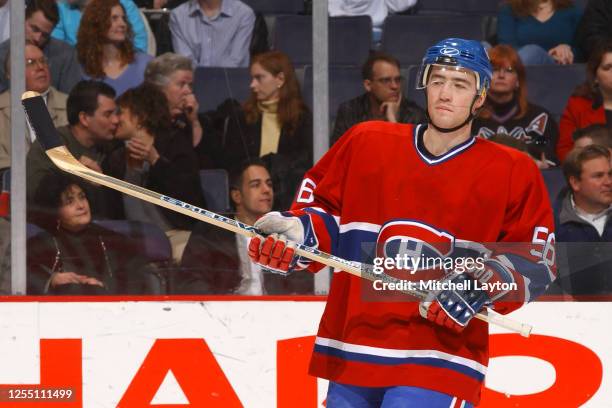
(41, 16)
(38, 79)
(383, 99)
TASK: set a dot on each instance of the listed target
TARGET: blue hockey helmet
(459, 53)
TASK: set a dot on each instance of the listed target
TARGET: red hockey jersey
(379, 174)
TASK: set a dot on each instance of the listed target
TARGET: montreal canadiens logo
(413, 239)
(449, 51)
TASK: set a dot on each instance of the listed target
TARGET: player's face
(128, 124)
(37, 75)
(102, 125)
(386, 82)
(118, 25)
(38, 29)
(505, 79)
(450, 94)
(179, 86)
(74, 213)
(604, 73)
(265, 85)
(595, 184)
(256, 195)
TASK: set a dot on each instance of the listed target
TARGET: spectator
(583, 216)
(155, 159)
(78, 257)
(378, 10)
(591, 102)
(541, 31)
(213, 32)
(507, 110)
(158, 4)
(593, 134)
(273, 124)
(216, 261)
(595, 26)
(92, 123)
(38, 79)
(5, 20)
(105, 46)
(383, 99)
(40, 18)
(70, 12)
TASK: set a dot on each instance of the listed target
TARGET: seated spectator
(173, 75)
(542, 31)
(593, 134)
(76, 256)
(213, 33)
(595, 26)
(155, 159)
(378, 10)
(507, 111)
(105, 48)
(37, 79)
(5, 20)
(92, 123)
(70, 12)
(215, 260)
(383, 99)
(583, 216)
(40, 18)
(591, 102)
(273, 124)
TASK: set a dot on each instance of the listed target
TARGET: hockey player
(427, 187)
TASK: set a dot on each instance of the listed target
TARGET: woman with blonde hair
(104, 46)
(507, 110)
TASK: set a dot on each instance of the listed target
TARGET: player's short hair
(160, 68)
(367, 70)
(572, 166)
(84, 98)
(47, 7)
(598, 133)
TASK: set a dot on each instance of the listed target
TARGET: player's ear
(480, 101)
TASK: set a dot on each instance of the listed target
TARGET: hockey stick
(40, 121)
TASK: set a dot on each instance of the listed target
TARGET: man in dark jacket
(382, 100)
(595, 26)
(583, 221)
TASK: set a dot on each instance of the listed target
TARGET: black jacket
(358, 110)
(210, 265)
(595, 26)
(236, 141)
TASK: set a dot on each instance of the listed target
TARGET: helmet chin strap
(453, 129)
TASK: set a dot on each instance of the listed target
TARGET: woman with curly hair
(104, 46)
(542, 31)
(154, 158)
(274, 124)
(591, 102)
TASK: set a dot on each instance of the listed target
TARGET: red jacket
(578, 113)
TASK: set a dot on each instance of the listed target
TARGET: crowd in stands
(132, 113)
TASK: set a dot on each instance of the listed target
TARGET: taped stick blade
(40, 120)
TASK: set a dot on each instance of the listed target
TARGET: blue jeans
(352, 396)
(532, 54)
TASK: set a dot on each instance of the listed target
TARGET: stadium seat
(213, 85)
(555, 182)
(550, 86)
(408, 37)
(349, 39)
(344, 83)
(276, 6)
(150, 239)
(445, 7)
(215, 186)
